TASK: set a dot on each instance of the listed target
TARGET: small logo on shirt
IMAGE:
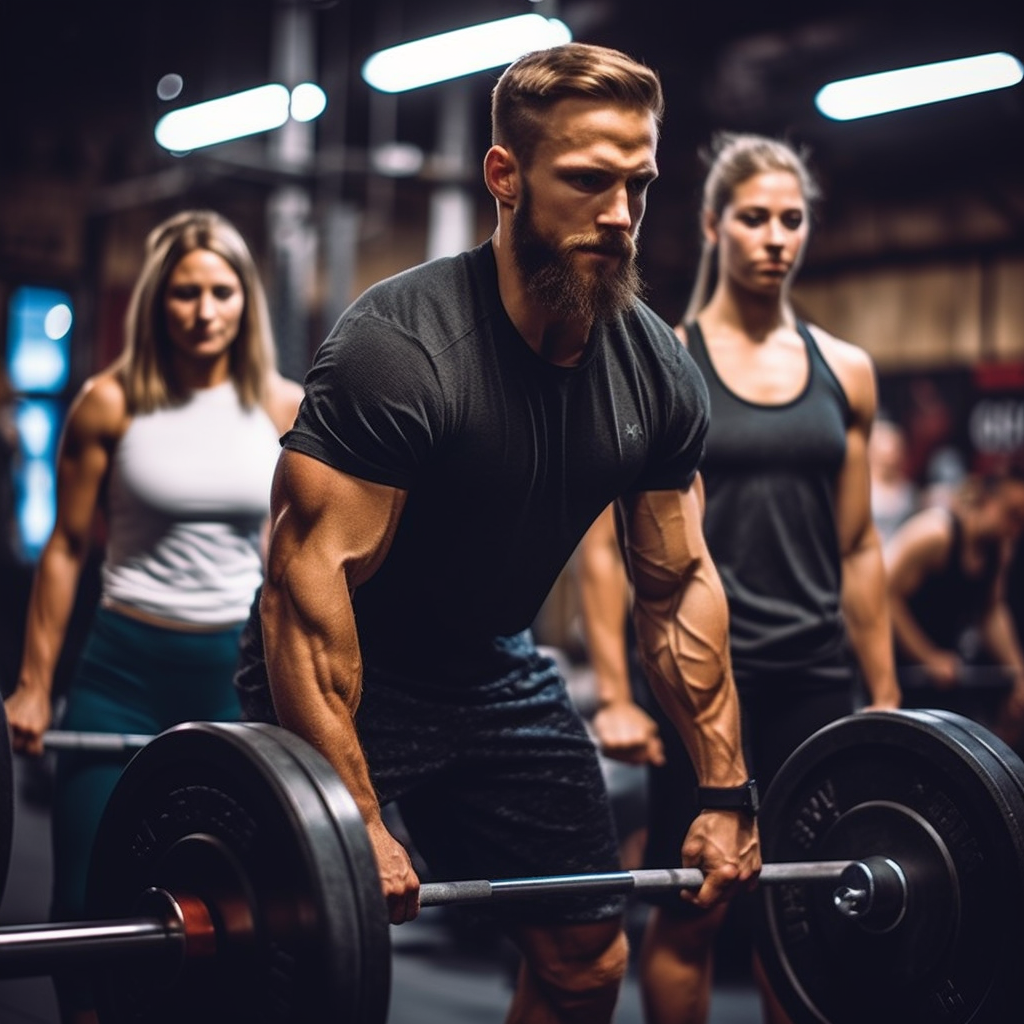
(634, 432)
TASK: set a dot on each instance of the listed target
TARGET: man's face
(581, 201)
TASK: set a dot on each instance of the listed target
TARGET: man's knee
(689, 935)
(571, 962)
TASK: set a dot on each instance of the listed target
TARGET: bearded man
(463, 425)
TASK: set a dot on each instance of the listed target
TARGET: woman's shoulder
(845, 354)
(282, 402)
(101, 406)
(854, 369)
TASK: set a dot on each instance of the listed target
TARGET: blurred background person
(893, 494)
(956, 639)
(175, 444)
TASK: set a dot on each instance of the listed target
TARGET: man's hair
(533, 84)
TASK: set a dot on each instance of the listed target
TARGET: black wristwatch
(729, 798)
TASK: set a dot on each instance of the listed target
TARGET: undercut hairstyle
(533, 84)
(733, 158)
(145, 366)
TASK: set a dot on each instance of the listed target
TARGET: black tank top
(770, 473)
(950, 600)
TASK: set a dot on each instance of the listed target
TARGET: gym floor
(446, 968)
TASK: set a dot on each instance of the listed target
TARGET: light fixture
(397, 159)
(242, 113)
(461, 52)
(887, 91)
(308, 102)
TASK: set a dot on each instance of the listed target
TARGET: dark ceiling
(64, 64)
(78, 82)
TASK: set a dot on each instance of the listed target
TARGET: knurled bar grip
(112, 742)
(433, 894)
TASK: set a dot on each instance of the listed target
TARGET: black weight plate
(6, 799)
(229, 814)
(920, 789)
(979, 735)
(360, 902)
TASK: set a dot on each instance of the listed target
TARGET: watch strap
(729, 798)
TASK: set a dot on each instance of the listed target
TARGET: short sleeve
(676, 458)
(373, 405)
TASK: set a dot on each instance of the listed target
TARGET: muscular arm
(1000, 635)
(864, 604)
(329, 534)
(682, 632)
(917, 549)
(95, 422)
(998, 629)
(623, 729)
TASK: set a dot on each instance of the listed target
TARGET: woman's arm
(96, 421)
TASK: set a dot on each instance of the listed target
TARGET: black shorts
(493, 778)
(779, 711)
(500, 780)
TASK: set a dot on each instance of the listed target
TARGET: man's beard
(552, 278)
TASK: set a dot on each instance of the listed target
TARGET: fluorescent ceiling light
(397, 160)
(308, 102)
(462, 52)
(243, 113)
(913, 87)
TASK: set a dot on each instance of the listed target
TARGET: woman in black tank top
(947, 572)
(788, 524)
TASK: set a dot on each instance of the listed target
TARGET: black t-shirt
(425, 385)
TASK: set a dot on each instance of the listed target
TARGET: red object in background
(995, 418)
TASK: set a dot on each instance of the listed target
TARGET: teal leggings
(132, 678)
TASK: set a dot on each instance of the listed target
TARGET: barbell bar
(180, 927)
(233, 868)
(100, 742)
(475, 891)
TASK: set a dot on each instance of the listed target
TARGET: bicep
(329, 533)
(916, 550)
(326, 523)
(854, 520)
(83, 462)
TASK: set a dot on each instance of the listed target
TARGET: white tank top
(189, 490)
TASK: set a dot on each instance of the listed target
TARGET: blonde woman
(175, 444)
(788, 523)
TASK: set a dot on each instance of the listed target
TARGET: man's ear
(501, 175)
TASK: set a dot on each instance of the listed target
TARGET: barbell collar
(434, 894)
(874, 893)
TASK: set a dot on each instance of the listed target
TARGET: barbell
(232, 879)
